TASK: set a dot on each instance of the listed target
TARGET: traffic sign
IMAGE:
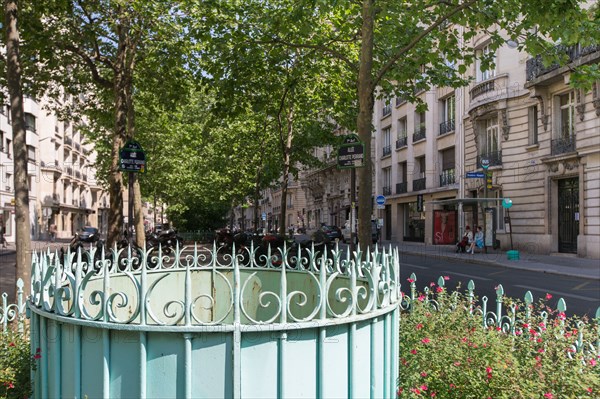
(485, 163)
(132, 158)
(264, 216)
(351, 153)
(380, 200)
(475, 175)
(507, 203)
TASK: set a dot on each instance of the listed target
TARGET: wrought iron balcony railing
(401, 188)
(535, 68)
(447, 177)
(482, 88)
(387, 150)
(419, 184)
(494, 157)
(387, 190)
(400, 101)
(401, 142)
(420, 133)
(447, 127)
(387, 110)
(563, 145)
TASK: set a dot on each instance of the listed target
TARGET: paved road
(582, 296)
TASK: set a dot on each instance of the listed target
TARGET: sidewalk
(559, 264)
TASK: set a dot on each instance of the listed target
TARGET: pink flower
(439, 289)
(433, 394)
(548, 297)
(525, 325)
(423, 387)
(413, 351)
(488, 370)
(457, 364)
(590, 390)
(421, 298)
(410, 280)
(38, 350)
(432, 284)
(416, 391)
(446, 278)
(593, 362)
(425, 340)
(400, 390)
(562, 315)
(11, 344)
(37, 356)
(419, 326)
(452, 386)
(541, 350)
(548, 395)
(423, 374)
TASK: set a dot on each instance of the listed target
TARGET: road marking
(580, 286)
(415, 266)
(583, 298)
(468, 276)
(497, 273)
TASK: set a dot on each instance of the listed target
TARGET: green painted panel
(379, 355)
(124, 364)
(212, 366)
(259, 365)
(91, 362)
(68, 353)
(53, 358)
(301, 360)
(335, 362)
(362, 360)
(165, 365)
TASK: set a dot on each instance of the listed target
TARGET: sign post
(506, 204)
(351, 155)
(132, 159)
(485, 164)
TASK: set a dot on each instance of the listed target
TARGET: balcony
(68, 141)
(535, 66)
(494, 157)
(77, 147)
(69, 171)
(419, 184)
(447, 177)
(401, 188)
(56, 198)
(563, 145)
(387, 190)
(447, 127)
(400, 101)
(401, 142)
(420, 133)
(387, 150)
(482, 88)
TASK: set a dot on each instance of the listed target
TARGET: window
(485, 63)
(387, 181)
(29, 121)
(31, 153)
(1, 141)
(420, 164)
(490, 137)
(533, 125)
(8, 148)
(567, 115)
(402, 132)
(387, 108)
(448, 114)
(387, 147)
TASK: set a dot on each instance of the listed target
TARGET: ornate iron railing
(563, 145)
(420, 133)
(386, 110)
(419, 184)
(482, 88)
(401, 188)
(447, 177)
(387, 150)
(179, 289)
(15, 312)
(401, 142)
(400, 101)
(387, 190)
(495, 158)
(506, 316)
(535, 68)
(447, 127)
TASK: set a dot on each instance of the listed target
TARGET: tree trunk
(365, 115)
(21, 183)
(287, 149)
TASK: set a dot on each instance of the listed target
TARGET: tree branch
(393, 59)
(91, 65)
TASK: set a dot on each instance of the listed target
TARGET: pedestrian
(2, 239)
(466, 240)
(477, 241)
(52, 231)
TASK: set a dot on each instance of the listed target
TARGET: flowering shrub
(445, 352)
(15, 366)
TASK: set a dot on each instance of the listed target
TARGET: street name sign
(351, 153)
(132, 158)
(475, 175)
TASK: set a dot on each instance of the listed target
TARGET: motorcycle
(78, 244)
(167, 240)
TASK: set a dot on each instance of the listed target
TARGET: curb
(516, 266)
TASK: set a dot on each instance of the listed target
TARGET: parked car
(333, 232)
(89, 234)
(374, 231)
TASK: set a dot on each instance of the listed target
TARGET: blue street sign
(264, 216)
(380, 200)
(475, 175)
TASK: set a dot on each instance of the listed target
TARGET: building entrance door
(388, 222)
(568, 215)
